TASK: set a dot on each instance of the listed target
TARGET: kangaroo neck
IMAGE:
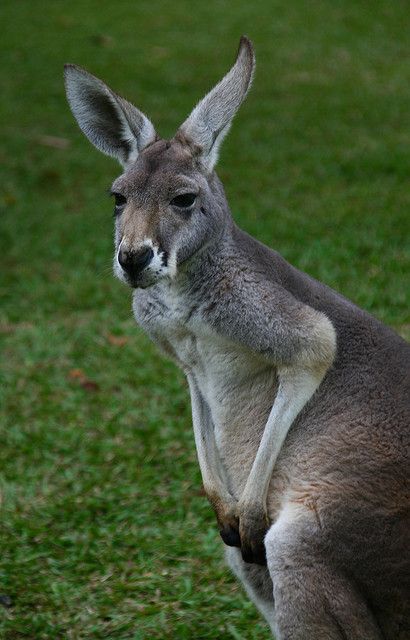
(211, 256)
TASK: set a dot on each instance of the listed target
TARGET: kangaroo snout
(133, 262)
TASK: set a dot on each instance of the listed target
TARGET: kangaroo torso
(239, 385)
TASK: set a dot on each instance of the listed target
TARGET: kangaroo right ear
(209, 122)
(112, 124)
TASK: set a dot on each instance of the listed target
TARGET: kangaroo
(300, 399)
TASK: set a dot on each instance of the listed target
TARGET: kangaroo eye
(184, 201)
(120, 200)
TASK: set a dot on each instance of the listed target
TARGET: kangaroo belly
(240, 390)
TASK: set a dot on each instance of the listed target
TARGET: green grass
(104, 529)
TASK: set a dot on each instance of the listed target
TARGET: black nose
(135, 261)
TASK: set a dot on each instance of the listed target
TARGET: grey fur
(112, 124)
(300, 399)
(209, 122)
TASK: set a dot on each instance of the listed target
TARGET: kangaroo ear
(209, 122)
(112, 124)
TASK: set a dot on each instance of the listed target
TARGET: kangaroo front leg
(223, 503)
(300, 342)
(295, 390)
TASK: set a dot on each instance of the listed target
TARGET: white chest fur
(238, 386)
(187, 336)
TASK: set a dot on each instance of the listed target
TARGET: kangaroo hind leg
(312, 598)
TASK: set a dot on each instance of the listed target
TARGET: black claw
(230, 536)
(251, 556)
(260, 558)
(247, 555)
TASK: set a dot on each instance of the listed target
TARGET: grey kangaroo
(300, 400)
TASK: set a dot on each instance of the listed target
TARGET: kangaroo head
(169, 202)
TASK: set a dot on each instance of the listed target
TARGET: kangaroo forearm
(294, 391)
(209, 463)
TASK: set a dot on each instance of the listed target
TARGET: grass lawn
(104, 530)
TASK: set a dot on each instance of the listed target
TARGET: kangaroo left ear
(112, 124)
(209, 122)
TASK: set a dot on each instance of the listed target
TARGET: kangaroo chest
(191, 341)
(238, 386)
(177, 326)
